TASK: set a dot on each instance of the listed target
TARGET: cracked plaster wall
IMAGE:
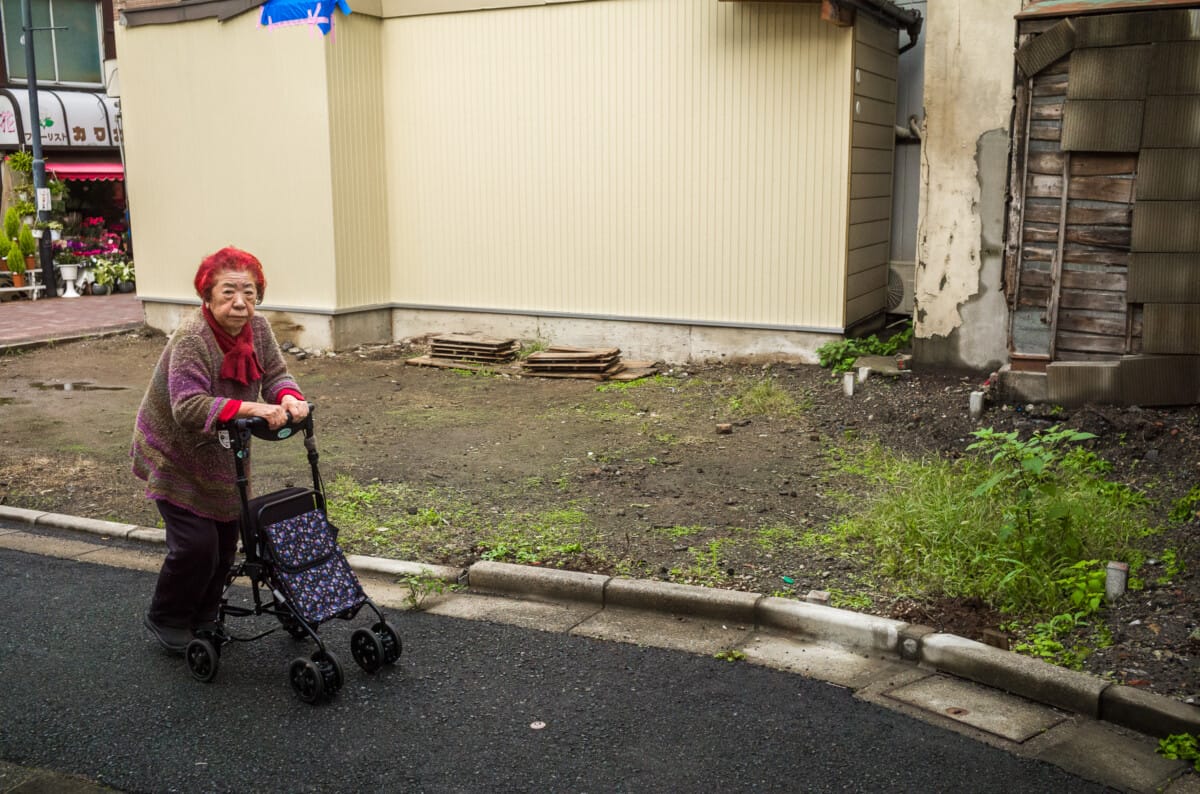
(961, 318)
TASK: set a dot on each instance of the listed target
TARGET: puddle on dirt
(82, 385)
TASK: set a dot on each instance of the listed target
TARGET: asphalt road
(84, 691)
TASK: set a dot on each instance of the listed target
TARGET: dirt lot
(644, 467)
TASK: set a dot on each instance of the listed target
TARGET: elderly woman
(221, 364)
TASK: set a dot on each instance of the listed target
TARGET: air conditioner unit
(901, 277)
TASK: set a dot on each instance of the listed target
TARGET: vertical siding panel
(677, 159)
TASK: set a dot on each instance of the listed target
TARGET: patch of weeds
(842, 600)
(563, 483)
(529, 347)
(730, 655)
(620, 411)
(841, 354)
(397, 521)
(1181, 747)
(666, 438)
(706, 565)
(622, 386)
(1187, 507)
(1172, 566)
(1009, 529)
(545, 538)
(422, 586)
(680, 532)
(532, 483)
(765, 397)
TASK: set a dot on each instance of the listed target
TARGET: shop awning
(88, 171)
(70, 119)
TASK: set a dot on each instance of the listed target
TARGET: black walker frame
(320, 675)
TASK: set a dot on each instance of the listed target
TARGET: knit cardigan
(175, 448)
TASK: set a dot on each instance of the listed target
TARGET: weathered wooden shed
(1102, 268)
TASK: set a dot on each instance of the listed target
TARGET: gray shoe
(172, 638)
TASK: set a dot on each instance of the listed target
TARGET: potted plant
(42, 227)
(123, 276)
(26, 211)
(16, 263)
(28, 245)
(104, 276)
(12, 226)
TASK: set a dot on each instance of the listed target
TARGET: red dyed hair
(227, 259)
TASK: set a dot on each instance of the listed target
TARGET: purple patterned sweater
(175, 448)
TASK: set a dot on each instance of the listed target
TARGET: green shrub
(840, 355)
(15, 257)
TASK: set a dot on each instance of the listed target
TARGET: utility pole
(45, 252)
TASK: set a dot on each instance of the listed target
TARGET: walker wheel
(392, 646)
(331, 670)
(203, 659)
(306, 679)
(367, 649)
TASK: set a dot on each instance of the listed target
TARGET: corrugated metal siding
(661, 159)
(357, 152)
(871, 162)
(227, 143)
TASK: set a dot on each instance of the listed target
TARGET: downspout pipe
(907, 18)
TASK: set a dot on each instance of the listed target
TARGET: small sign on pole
(43, 199)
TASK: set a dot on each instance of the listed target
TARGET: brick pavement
(25, 322)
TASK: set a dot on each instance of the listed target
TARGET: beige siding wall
(664, 159)
(227, 142)
(875, 55)
(356, 135)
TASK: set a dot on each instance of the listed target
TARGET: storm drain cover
(1007, 716)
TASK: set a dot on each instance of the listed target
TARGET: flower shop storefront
(87, 218)
(94, 227)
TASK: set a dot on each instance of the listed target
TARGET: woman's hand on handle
(297, 408)
(276, 416)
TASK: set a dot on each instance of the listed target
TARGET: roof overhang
(841, 12)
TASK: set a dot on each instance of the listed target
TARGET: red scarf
(240, 362)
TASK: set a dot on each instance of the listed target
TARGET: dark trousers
(200, 553)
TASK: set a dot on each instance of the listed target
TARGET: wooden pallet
(461, 347)
(447, 363)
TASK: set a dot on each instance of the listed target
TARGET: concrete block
(1022, 386)
(147, 535)
(92, 526)
(46, 546)
(1102, 753)
(1148, 713)
(826, 624)
(681, 599)
(531, 581)
(554, 616)
(911, 637)
(687, 633)
(986, 709)
(1011, 672)
(20, 514)
(841, 666)
(1079, 382)
(402, 568)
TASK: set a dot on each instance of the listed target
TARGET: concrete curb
(828, 624)
(31, 344)
(1146, 712)
(1021, 675)
(531, 580)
